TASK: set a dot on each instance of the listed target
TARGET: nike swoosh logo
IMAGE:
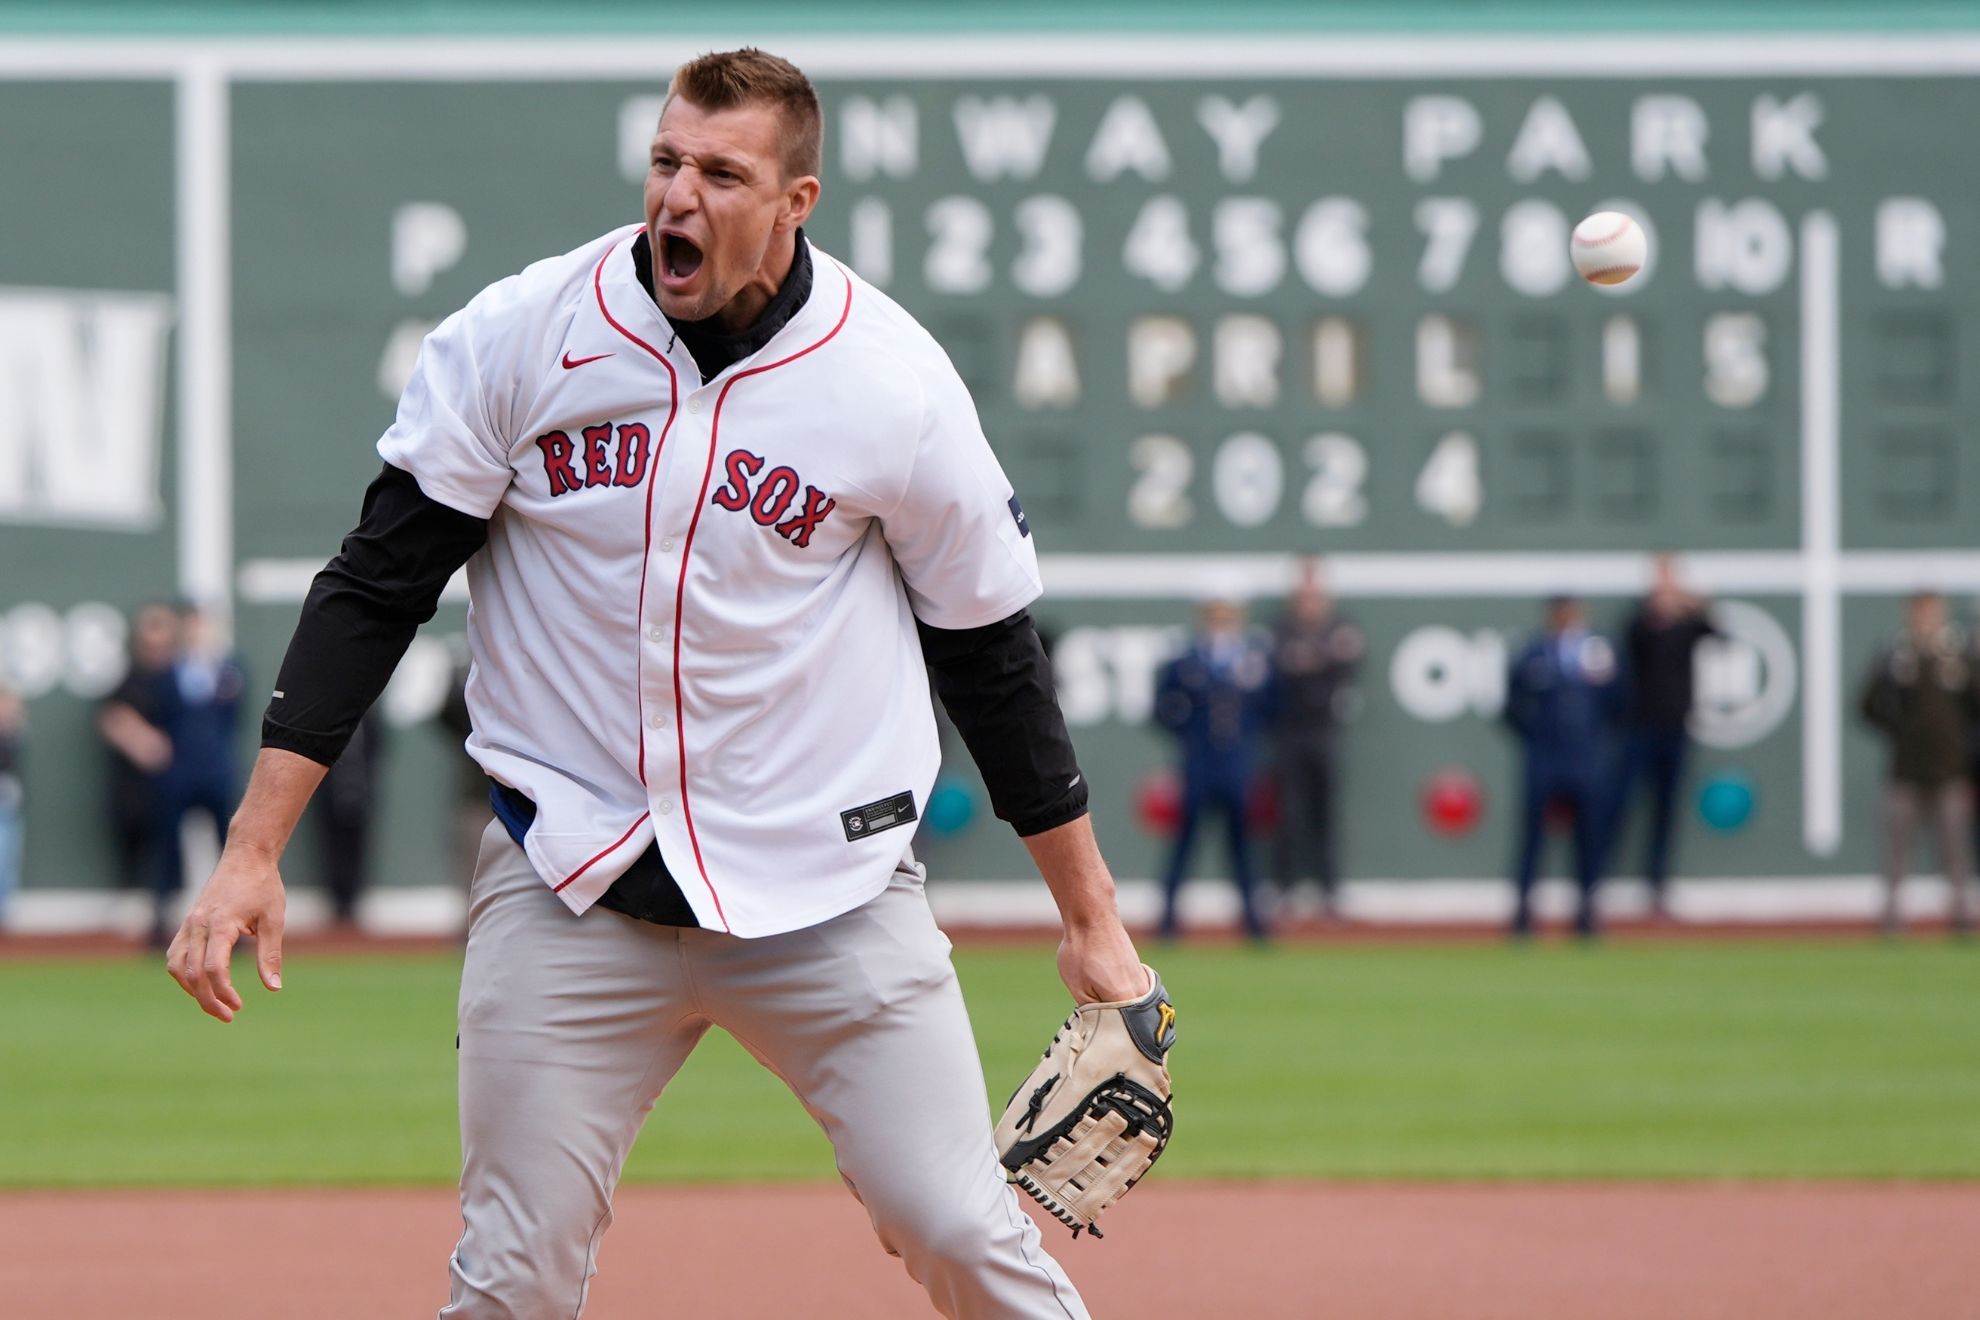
(570, 361)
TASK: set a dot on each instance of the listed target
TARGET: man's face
(1565, 616)
(716, 195)
(1928, 615)
(155, 636)
(199, 633)
(1222, 618)
(1311, 605)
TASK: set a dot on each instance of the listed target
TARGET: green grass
(1652, 1060)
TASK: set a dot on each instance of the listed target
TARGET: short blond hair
(723, 80)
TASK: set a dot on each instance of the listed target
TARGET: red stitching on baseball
(1622, 227)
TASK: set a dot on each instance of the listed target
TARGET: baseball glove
(1094, 1114)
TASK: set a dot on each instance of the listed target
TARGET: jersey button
(656, 633)
(694, 405)
(656, 721)
(667, 544)
(666, 806)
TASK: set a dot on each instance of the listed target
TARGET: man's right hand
(243, 897)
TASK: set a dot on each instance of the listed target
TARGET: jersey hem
(812, 914)
(441, 490)
(1005, 607)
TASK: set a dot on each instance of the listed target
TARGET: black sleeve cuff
(996, 684)
(322, 748)
(1064, 813)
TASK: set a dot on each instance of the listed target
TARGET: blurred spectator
(1659, 651)
(130, 721)
(342, 808)
(1315, 654)
(13, 720)
(1561, 696)
(201, 710)
(1213, 698)
(1922, 697)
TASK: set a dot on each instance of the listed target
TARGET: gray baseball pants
(571, 1026)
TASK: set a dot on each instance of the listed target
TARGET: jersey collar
(628, 305)
(714, 348)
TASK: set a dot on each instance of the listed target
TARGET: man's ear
(799, 199)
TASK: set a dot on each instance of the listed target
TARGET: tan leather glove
(1094, 1114)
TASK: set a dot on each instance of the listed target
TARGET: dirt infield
(1604, 1252)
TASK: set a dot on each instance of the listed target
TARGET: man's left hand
(1100, 966)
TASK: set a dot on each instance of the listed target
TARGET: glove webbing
(1092, 1140)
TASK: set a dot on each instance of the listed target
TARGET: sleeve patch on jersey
(877, 816)
(1017, 515)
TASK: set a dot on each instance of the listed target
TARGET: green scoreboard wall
(1223, 303)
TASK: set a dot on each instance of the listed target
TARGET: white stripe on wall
(442, 911)
(1185, 577)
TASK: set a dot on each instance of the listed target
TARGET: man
(1659, 648)
(199, 713)
(129, 720)
(1921, 696)
(1314, 655)
(1214, 698)
(1560, 699)
(709, 486)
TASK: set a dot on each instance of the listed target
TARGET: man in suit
(1561, 697)
(199, 712)
(1214, 698)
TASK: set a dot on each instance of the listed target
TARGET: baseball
(1608, 248)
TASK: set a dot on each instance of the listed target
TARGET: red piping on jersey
(680, 587)
(558, 888)
(652, 466)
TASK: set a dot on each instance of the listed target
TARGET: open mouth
(680, 258)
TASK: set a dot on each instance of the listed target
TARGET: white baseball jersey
(694, 617)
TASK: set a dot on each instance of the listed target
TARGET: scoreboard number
(1248, 478)
(1333, 495)
(1448, 486)
(1158, 247)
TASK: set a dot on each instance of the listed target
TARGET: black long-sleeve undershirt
(996, 684)
(362, 611)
